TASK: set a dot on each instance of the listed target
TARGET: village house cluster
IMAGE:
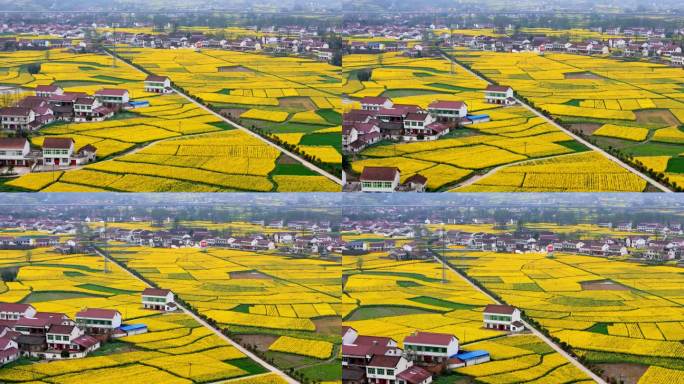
(294, 40)
(26, 332)
(295, 237)
(370, 359)
(649, 241)
(653, 46)
(51, 103)
(651, 43)
(381, 119)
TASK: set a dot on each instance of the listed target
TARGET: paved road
(246, 130)
(540, 335)
(574, 136)
(216, 331)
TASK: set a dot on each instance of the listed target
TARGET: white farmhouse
(503, 317)
(158, 84)
(380, 179)
(14, 152)
(158, 299)
(98, 321)
(430, 347)
(499, 94)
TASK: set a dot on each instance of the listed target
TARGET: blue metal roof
(478, 116)
(471, 355)
(132, 327)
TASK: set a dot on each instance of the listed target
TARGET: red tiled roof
(498, 88)
(102, 110)
(86, 341)
(14, 307)
(429, 338)
(32, 102)
(499, 309)
(58, 142)
(6, 143)
(61, 329)
(444, 104)
(384, 361)
(95, 313)
(407, 107)
(155, 292)
(51, 315)
(47, 88)
(111, 92)
(416, 116)
(3, 342)
(33, 322)
(379, 173)
(372, 340)
(374, 100)
(68, 96)
(365, 350)
(437, 127)
(15, 111)
(85, 100)
(156, 78)
(87, 148)
(416, 179)
(9, 352)
(414, 375)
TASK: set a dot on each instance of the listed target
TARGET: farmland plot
(513, 135)
(53, 282)
(288, 307)
(635, 106)
(170, 145)
(277, 95)
(396, 298)
(610, 312)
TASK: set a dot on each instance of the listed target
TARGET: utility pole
(106, 247)
(114, 25)
(444, 279)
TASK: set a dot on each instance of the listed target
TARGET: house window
(371, 371)
(390, 372)
(381, 371)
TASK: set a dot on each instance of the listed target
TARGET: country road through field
(540, 335)
(571, 134)
(304, 162)
(216, 331)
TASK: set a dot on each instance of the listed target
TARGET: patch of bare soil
(329, 325)
(285, 159)
(582, 75)
(626, 373)
(603, 285)
(656, 116)
(586, 128)
(234, 68)
(232, 113)
(261, 342)
(299, 102)
(249, 275)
